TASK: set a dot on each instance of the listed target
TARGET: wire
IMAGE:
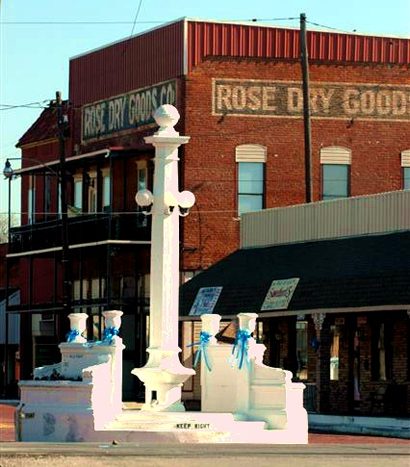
(61, 23)
(136, 17)
(31, 105)
(330, 27)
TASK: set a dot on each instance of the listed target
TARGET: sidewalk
(360, 425)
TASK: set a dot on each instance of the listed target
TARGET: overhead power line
(108, 22)
(77, 22)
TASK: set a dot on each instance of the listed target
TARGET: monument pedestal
(163, 377)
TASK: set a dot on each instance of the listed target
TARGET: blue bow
(72, 335)
(241, 347)
(109, 334)
(204, 338)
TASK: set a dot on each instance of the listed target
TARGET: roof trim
(106, 152)
(37, 143)
(278, 314)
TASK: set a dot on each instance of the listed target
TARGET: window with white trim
(251, 159)
(405, 163)
(335, 163)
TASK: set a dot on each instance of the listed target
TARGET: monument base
(163, 376)
(152, 427)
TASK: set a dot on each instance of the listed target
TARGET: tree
(4, 225)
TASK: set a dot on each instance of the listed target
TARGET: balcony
(82, 229)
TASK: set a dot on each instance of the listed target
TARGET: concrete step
(136, 420)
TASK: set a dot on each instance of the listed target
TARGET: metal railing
(82, 229)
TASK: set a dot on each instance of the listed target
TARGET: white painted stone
(255, 392)
(163, 374)
(70, 410)
(210, 325)
(78, 323)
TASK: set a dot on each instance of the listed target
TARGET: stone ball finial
(166, 116)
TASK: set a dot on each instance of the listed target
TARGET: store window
(302, 348)
(251, 159)
(335, 162)
(334, 353)
(381, 351)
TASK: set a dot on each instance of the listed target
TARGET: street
(322, 450)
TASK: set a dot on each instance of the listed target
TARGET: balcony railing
(82, 229)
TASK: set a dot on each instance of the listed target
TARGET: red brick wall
(212, 231)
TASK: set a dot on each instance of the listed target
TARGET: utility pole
(62, 123)
(306, 108)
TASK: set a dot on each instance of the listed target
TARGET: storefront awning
(348, 274)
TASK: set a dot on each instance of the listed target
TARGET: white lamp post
(163, 375)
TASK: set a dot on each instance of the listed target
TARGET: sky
(38, 37)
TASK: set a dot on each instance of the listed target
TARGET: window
(92, 192)
(31, 201)
(78, 192)
(59, 199)
(47, 194)
(406, 178)
(405, 163)
(251, 159)
(334, 353)
(106, 190)
(302, 348)
(381, 359)
(335, 163)
(335, 181)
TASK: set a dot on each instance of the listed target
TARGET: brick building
(238, 90)
(330, 284)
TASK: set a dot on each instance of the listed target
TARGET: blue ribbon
(72, 335)
(204, 338)
(241, 347)
(109, 334)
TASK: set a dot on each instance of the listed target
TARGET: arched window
(335, 162)
(251, 159)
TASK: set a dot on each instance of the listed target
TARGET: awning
(367, 273)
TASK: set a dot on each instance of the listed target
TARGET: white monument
(163, 375)
(243, 400)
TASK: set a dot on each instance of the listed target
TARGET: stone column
(163, 375)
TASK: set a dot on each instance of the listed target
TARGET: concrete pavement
(323, 450)
(182, 455)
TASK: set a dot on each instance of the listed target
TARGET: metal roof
(368, 272)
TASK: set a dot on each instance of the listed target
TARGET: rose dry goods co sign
(327, 100)
(104, 118)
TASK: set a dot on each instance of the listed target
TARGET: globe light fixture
(8, 172)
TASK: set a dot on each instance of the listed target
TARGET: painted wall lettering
(104, 118)
(327, 100)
